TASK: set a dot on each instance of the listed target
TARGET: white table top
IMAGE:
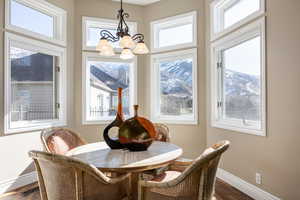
(102, 157)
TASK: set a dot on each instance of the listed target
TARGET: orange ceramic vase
(137, 133)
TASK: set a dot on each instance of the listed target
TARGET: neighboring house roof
(95, 82)
(106, 79)
(36, 67)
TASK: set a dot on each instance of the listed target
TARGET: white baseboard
(245, 187)
(12, 184)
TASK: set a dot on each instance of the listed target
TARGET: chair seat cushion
(166, 176)
(182, 191)
(62, 141)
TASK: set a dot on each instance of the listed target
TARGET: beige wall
(276, 156)
(14, 148)
(191, 138)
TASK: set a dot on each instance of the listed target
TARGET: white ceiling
(139, 2)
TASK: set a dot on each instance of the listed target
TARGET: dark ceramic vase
(119, 120)
(137, 133)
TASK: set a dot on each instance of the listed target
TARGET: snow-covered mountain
(113, 69)
(176, 78)
(237, 83)
(117, 71)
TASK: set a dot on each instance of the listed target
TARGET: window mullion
(56, 87)
(220, 72)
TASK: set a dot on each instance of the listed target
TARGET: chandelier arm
(138, 37)
(123, 28)
(109, 36)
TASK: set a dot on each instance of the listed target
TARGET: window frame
(59, 23)
(172, 22)
(217, 17)
(155, 89)
(257, 28)
(103, 23)
(42, 47)
(88, 56)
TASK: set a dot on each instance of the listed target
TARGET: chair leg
(129, 188)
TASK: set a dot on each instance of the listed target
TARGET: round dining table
(158, 155)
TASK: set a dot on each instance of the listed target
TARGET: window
(174, 91)
(102, 78)
(93, 26)
(174, 32)
(238, 80)
(34, 84)
(227, 15)
(36, 18)
(174, 74)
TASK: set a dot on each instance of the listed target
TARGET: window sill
(104, 121)
(97, 122)
(239, 129)
(156, 50)
(175, 121)
(42, 126)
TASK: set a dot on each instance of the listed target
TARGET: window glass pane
(176, 87)
(240, 10)
(32, 86)
(93, 36)
(105, 79)
(30, 19)
(242, 82)
(176, 35)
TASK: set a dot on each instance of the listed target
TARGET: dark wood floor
(31, 192)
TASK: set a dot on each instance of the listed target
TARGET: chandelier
(130, 45)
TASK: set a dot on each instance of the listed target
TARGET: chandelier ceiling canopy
(130, 44)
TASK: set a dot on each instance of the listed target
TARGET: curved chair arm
(100, 175)
(168, 184)
(91, 169)
(119, 178)
(180, 164)
(144, 185)
(183, 162)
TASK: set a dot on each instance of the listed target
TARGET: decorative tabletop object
(135, 134)
(115, 143)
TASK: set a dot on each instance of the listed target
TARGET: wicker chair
(163, 133)
(194, 182)
(65, 178)
(60, 141)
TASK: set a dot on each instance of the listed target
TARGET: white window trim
(87, 56)
(169, 23)
(101, 22)
(216, 29)
(243, 34)
(42, 47)
(155, 114)
(59, 15)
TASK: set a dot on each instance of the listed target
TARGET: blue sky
(244, 58)
(31, 19)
